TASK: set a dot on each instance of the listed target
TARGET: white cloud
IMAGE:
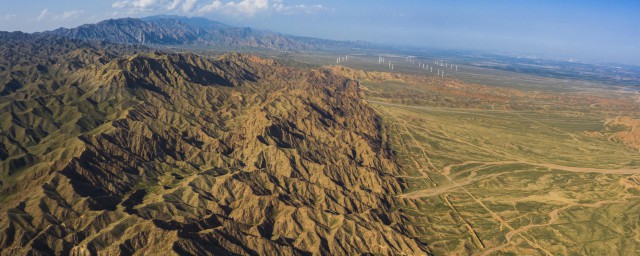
(43, 15)
(279, 6)
(174, 4)
(213, 6)
(69, 14)
(189, 5)
(46, 15)
(246, 8)
(146, 5)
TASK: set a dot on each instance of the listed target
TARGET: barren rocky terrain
(121, 150)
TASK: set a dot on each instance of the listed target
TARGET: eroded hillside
(110, 151)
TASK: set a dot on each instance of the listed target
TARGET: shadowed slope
(156, 153)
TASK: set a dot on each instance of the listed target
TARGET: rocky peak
(157, 153)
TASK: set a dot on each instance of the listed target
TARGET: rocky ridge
(116, 150)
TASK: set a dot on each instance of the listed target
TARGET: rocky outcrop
(154, 153)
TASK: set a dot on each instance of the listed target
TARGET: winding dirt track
(553, 167)
(530, 240)
(553, 218)
(446, 171)
(442, 189)
(439, 190)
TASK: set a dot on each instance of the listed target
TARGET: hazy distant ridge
(176, 30)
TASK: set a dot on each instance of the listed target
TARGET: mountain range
(195, 32)
(110, 149)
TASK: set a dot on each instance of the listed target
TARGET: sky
(586, 30)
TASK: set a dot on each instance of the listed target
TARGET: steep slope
(183, 31)
(113, 151)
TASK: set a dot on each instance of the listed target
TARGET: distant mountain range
(184, 31)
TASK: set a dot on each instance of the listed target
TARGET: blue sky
(596, 31)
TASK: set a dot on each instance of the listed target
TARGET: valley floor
(492, 182)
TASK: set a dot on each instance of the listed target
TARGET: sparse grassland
(511, 182)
